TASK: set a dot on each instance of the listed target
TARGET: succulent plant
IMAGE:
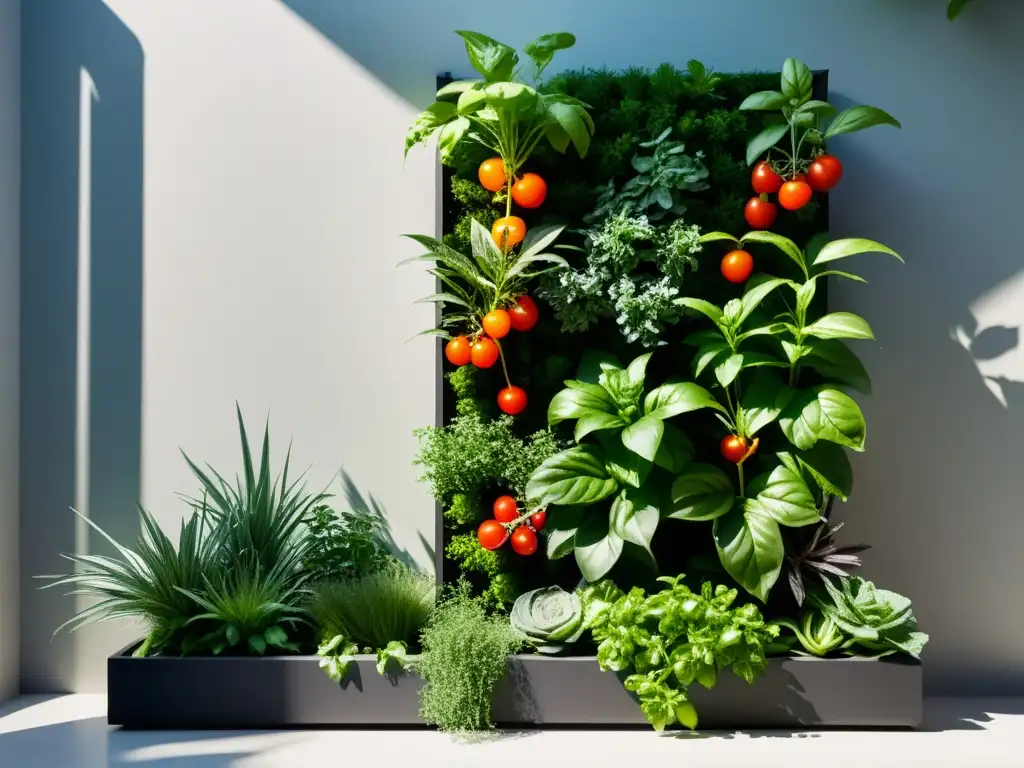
(817, 632)
(549, 618)
(819, 558)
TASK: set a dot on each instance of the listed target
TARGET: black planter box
(291, 691)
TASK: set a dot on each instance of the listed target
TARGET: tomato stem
(511, 526)
(739, 471)
(504, 368)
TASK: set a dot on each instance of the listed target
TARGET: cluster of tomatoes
(482, 351)
(507, 524)
(822, 175)
(528, 191)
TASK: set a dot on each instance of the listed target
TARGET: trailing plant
(876, 620)
(625, 453)
(819, 558)
(345, 545)
(465, 655)
(549, 619)
(674, 638)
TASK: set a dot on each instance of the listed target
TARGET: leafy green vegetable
(344, 545)
(549, 618)
(674, 638)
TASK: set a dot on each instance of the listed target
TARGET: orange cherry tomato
(524, 541)
(492, 174)
(457, 350)
(764, 179)
(824, 173)
(733, 448)
(529, 191)
(795, 194)
(760, 214)
(524, 313)
(512, 400)
(737, 266)
(491, 534)
(483, 353)
(511, 227)
(497, 323)
(538, 520)
(505, 509)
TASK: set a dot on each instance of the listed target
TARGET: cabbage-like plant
(549, 618)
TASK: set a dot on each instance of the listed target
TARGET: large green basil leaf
(637, 369)
(574, 122)
(727, 370)
(851, 246)
(494, 60)
(840, 325)
(701, 492)
(595, 421)
(574, 403)
(450, 135)
(765, 140)
(763, 401)
(797, 80)
(635, 516)
(786, 498)
(823, 413)
(713, 351)
(643, 437)
(765, 100)
(757, 290)
(830, 467)
(560, 543)
(706, 308)
(575, 476)
(837, 362)
(858, 118)
(750, 546)
(427, 122)
(457, 88)
(597, 547)
(623, 465)
(670, 400)
(784, 244)
(804, 297)
(675, 451)
(470, 101)
(560, 530)
(543, 49)
(513, 98)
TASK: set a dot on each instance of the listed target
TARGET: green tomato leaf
(634, 517)
(837, 362)
(823, 413)
(542, 50)
(575, 476)
(750, 547)
(758, 288)
(784, 244)
(840, 325)
(851, 246)
(785, 498)
(764, 399)
(494, 60)
(765, 140)
(643, 437)
(858, 118)
(765, 100)
(672, 399)
(830, 467)
(675, 451)
(797, 80)
(623, 465)
(701, 492)
(597, 547)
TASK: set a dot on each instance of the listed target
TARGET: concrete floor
(71, 732)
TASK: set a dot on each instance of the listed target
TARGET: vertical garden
(648, 409)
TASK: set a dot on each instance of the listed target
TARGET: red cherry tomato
(538, 520)
(524, 541)
(524, 313)
(824, 173)
(457, 350)
(760, 214)
(737, 266)
(764, 179)
(529, 191)
(505, 509)
(733, 448)
(491, 534)
(496, 323)
(795, 194)
(483, 353)
(512, 400)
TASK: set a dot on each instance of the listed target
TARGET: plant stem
(792, 142)
(739, 471)
(794, 368)
(504, 368)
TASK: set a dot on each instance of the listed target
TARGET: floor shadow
(82, 190)
(966, 714)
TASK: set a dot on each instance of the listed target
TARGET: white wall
(10, 176)
(274, 194)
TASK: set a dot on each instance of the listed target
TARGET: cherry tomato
(524, 313)
(733, 448)
(457, 350)
(529, 191)
(824, 173)
(764, 179)
(795, 194)
(505, 509)
(483, 353)
(524, 541)
(491, 534)
(760, 214)
(737, 266)
(496, 323)
(512, 400)
(492, 174)
(538, 520)
(511, 227)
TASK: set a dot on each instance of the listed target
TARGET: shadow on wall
(81, 324)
